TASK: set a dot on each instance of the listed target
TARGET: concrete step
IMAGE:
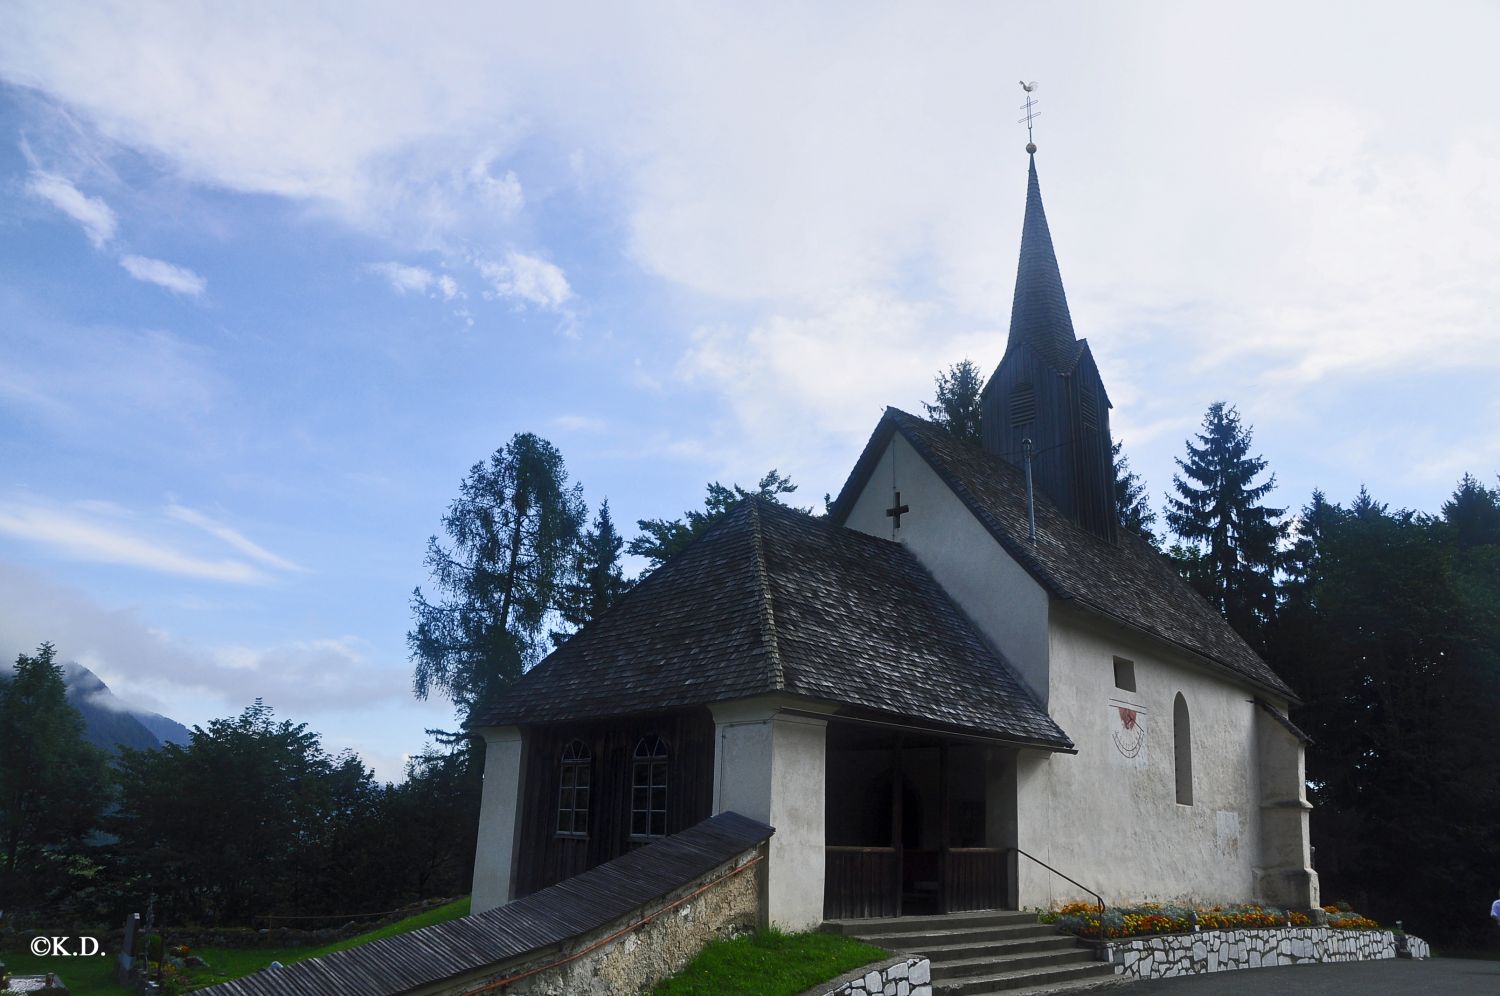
(1026, 978)
(970, 967)
(924, 924)
(1000, 949)
(1102, 983)
(913, 941)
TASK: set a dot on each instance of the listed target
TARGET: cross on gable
(897, 510)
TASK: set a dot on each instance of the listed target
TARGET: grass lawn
(232, 963)
(83, 976)
(95, 976)
(769, 963)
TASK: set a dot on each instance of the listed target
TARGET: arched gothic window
(573, 791)
(1182, 742)
(648, 788)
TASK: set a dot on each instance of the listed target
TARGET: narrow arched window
(648, 788)
(1022, 405)
(1182, 742)
(573, 791)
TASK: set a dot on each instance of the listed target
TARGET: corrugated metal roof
(543, 919)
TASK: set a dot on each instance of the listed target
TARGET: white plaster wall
(770, 766)
(1007, 605)
(499, 815)
(1116, 826)
(1287, 876)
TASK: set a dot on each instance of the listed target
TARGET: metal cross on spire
(1031, 112)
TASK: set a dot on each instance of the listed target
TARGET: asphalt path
(1378, 978)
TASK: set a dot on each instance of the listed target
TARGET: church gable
(1125, 581)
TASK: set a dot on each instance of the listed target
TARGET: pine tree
(1131, 503)
(513, 528)
(956, 407)
(597, 580)
(1473, 513)
(661, 539)
(1229, 547)
(53, 784)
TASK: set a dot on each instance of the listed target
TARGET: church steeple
(1047, 388)
(1039, 313)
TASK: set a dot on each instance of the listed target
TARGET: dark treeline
(1386, 623)
(251, 817)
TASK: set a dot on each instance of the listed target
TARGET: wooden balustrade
(859, 882)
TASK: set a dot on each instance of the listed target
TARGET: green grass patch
(95, 976)
(83, 976)
(225, 964)
(769, 963)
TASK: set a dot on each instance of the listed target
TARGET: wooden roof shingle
(773, 600)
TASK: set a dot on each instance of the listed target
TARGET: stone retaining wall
(633, 954)
(901, 976)
(1168, 955)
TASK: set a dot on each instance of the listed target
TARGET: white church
(965, 688)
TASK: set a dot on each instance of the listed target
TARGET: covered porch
(916, 822)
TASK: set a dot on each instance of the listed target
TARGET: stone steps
(947, 938)
(977, 954)
(979, 949)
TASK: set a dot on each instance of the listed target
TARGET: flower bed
(1146, 919)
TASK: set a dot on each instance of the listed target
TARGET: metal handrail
(1073, 880)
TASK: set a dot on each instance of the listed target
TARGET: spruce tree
(597, 580)
(662, 539)
(956, 407)
(1131, 503)
(1229, 539)
(53, 784)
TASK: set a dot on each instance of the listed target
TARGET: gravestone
(125, 963)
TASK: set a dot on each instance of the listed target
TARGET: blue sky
(271, 279)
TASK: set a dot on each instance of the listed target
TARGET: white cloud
(177, 279)
(580, 423)
(406, 279)
(191, 682)
(96, 217)
(81, 536)
(531, 279)
(231, 536)
(504, 192)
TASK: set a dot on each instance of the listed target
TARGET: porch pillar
(770, 765)
(499, 818)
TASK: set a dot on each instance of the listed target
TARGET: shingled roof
(1039, 313)
(773, 600)
(1126, 580)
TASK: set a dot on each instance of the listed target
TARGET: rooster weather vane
(1031, 112)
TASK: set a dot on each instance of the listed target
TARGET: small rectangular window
(1125, 674)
